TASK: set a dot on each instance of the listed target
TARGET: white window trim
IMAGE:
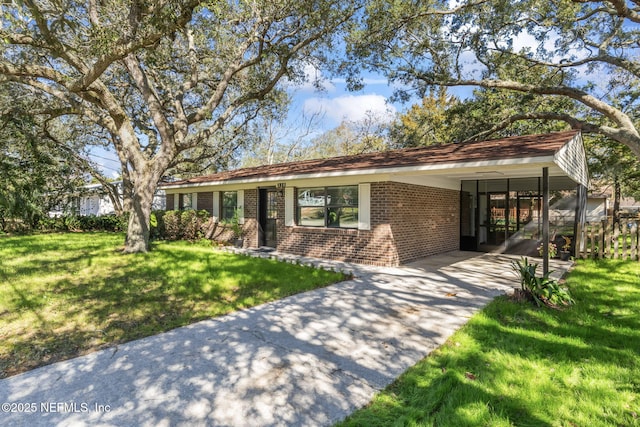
(216, 206)
(289, 207)
(364, 206)
(240, 202)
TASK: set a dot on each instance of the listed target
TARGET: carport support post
(545, 221)
(581, 218)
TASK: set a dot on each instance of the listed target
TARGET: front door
(268, 208)
(498, 218)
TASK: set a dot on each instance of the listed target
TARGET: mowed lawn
(63, 295)
(515, 364)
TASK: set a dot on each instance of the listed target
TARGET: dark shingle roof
(505, 148)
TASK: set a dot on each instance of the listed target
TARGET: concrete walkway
(310, 359)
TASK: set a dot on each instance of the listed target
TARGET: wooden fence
(607, 240)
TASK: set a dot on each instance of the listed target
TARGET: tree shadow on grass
(172, 286)
(557, 351)
(310, 359)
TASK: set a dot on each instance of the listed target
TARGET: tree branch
(572, 121)
(602, 56)
(126, 46)
(151, 97)
(624, 11)
(614, 114)
(35, 71)
(88, 166)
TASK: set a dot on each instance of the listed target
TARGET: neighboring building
(564, 210)
(630, 207)
(597, 207)
(91, 199)
(389, 208)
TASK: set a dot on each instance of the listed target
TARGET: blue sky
(333, 104)
(336, 104)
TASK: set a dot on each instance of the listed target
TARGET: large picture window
(228, 205)
(335, 207)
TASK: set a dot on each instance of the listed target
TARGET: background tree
(614, 167)
(161, 78)
(433, 121)
(35, 174)
(351, 137)
(278, 140)
(274, 138)
(584, 52)
(488, 113)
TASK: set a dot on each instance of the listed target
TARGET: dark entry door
(498, 218)
(268, 217)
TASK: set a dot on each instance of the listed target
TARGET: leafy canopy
(583, 52)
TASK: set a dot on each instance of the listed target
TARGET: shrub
(181, 225)
(171, 221)
(543, 290)
(190, 226)
(111, 223)
(157, 229)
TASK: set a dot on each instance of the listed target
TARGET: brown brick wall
(250, 218)
(407, 222)
(223, 233)
(362, 246)
(366, 247)
(425, 220)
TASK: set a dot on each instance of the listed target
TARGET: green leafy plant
(543, 290)
(238, 232)
(526, 271)
(553, 249)
(171, 220)
(181, 225)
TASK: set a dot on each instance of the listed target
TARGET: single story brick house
(392, 207)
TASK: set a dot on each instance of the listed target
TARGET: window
(335, 207)
(186, 201)
(228, 205)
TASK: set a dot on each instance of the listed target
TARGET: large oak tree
(161, 77)
(586, 52)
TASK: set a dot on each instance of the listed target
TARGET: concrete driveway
(310, 359)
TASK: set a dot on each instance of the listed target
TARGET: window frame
(224, 219)
(327, 206)
(181, 200)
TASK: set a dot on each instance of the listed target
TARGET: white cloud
(368, 81)
(313, 80)
(350, 107)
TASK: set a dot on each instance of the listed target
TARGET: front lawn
(62, 295)
(515, 364)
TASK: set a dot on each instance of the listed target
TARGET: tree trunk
(137, 239)
(127, 189)
(616, 200)
(114, 196)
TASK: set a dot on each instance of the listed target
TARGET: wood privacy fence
(608, 240)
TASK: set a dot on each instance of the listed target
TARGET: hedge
(84, 223)
(179, 225)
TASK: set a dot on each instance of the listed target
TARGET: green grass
(62, 295)
(517, 365)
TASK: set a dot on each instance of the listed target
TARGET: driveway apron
(307, 360)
